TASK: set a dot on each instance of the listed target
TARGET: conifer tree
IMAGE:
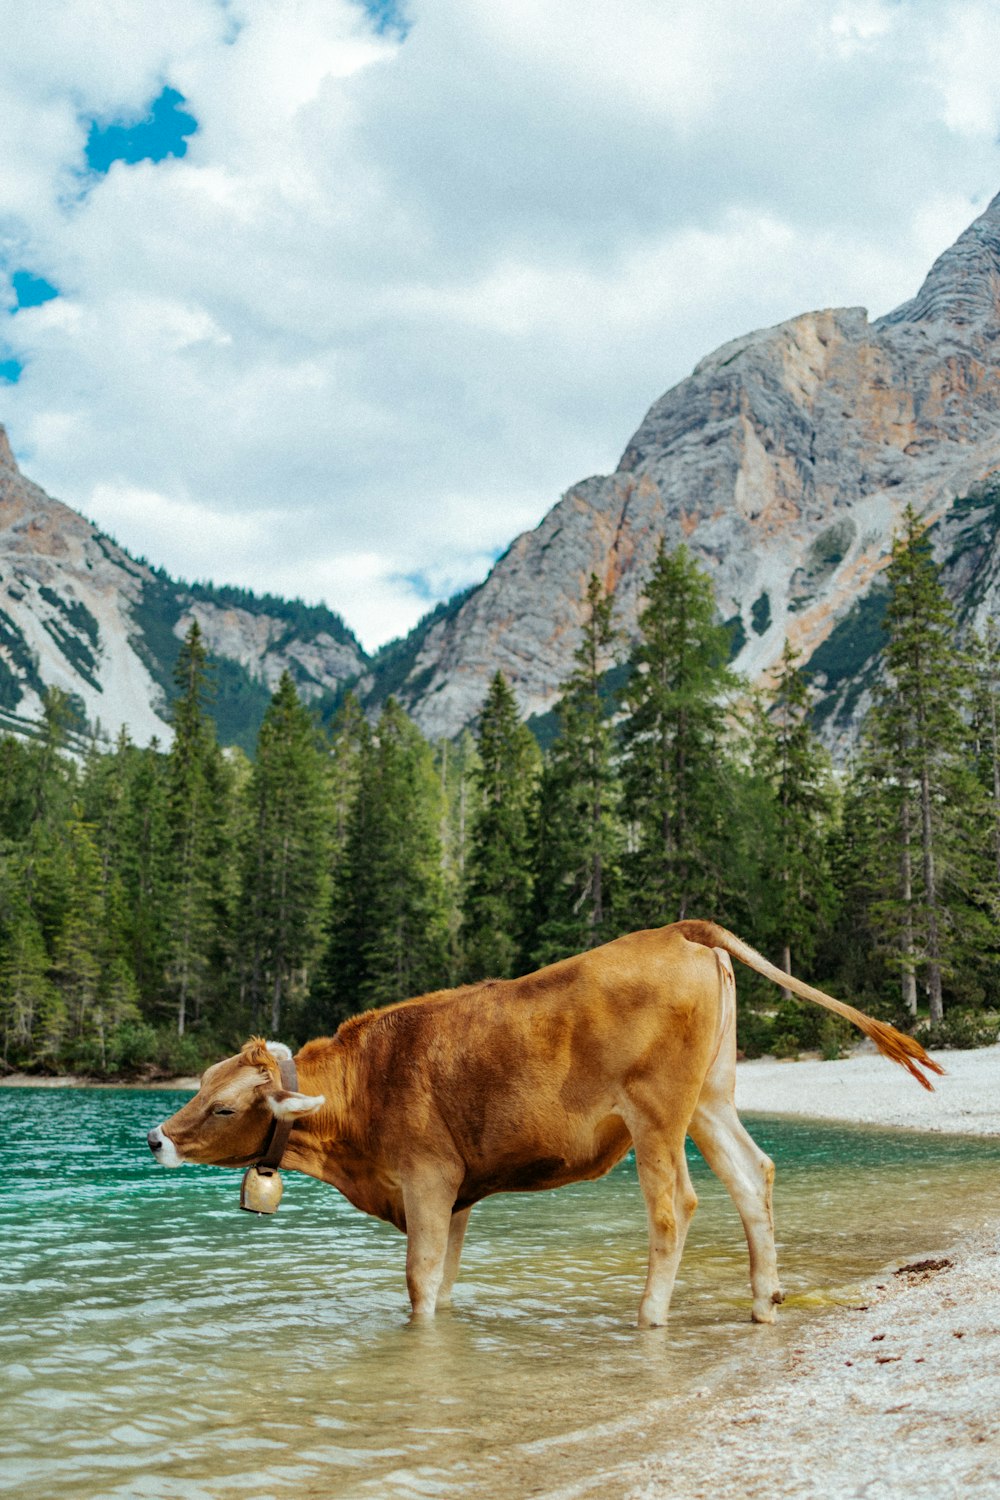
(975, 945)
(285, 857)
(577, 834)
(194, 782)
(388, 931)
(145, 872)
(914, 758)
(497, 890)
(796, 844)
(348, 734)
(96, 988)
(32, 1018)
(674, 762)
(457, 763)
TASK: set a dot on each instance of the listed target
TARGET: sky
(332, 299)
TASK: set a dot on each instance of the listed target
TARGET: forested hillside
(157, 906)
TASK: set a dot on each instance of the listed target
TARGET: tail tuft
(900, 1048)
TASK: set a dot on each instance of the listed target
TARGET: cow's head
(228, 1121)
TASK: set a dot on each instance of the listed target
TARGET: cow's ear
(285, 1105)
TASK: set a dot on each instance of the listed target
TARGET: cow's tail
(893, 1044)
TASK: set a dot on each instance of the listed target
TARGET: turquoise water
(157, 1342)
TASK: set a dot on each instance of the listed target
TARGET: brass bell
(261, 1189)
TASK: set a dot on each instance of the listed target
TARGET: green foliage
(498, 877)
(18, 664)
(851, 648)
(962, 1027)
(578, 830)
(675, 770)
(285, 858)
(798, 815)
(388, 927)
(760, 614)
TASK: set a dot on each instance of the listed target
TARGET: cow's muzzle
(163, 1148)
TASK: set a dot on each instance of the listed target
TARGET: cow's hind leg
(748, 1174)
(427, 1203)
(453, 1254)
(735, 1157)
(670, 1204)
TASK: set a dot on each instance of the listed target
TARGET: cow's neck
(326, 1144)
(310, 1142)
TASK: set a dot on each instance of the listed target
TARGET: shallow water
(156, 1342)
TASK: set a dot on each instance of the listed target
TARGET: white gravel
(868, 1089)
(893, 1400)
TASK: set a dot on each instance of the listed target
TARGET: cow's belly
(533, 1169)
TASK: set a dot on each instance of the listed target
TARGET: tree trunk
(906, 874)
(995, 757)
(930, 897)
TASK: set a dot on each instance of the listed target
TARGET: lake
(157, 1342)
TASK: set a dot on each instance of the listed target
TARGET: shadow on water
(158, 1343)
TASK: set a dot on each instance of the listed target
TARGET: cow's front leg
(427, 1203)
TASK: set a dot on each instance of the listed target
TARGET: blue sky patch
(10, 370)
(162, 133)
(387, 15)
(32, 291)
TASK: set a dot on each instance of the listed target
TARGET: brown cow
(418, 1111)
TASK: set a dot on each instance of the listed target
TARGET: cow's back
(525, 1081)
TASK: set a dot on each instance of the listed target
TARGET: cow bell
(261, 1189)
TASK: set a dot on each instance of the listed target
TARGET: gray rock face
(77, 613)
(784, 461)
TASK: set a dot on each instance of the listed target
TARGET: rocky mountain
(78, 613)
(784, 461)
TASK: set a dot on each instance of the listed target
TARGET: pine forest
(159, 905)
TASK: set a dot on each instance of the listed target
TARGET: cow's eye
(223, 1111)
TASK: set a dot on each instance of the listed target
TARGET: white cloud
(398, 295)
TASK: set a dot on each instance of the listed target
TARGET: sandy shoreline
(866, 1089)
(895, 1399)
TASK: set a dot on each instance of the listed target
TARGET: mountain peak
(962, 287)
(7, 460)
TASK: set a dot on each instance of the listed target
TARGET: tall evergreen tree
(975, 945)
(457, 763)
(145, 871)
(285, 856)
(32, 1016)
(96, 987)
(348, 735)
(674, 751)
(195, 780)
(798, 774)
(914, 761)
(388, 933)
(577, 832)
(497, 891)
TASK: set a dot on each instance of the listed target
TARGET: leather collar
(277, 1139)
